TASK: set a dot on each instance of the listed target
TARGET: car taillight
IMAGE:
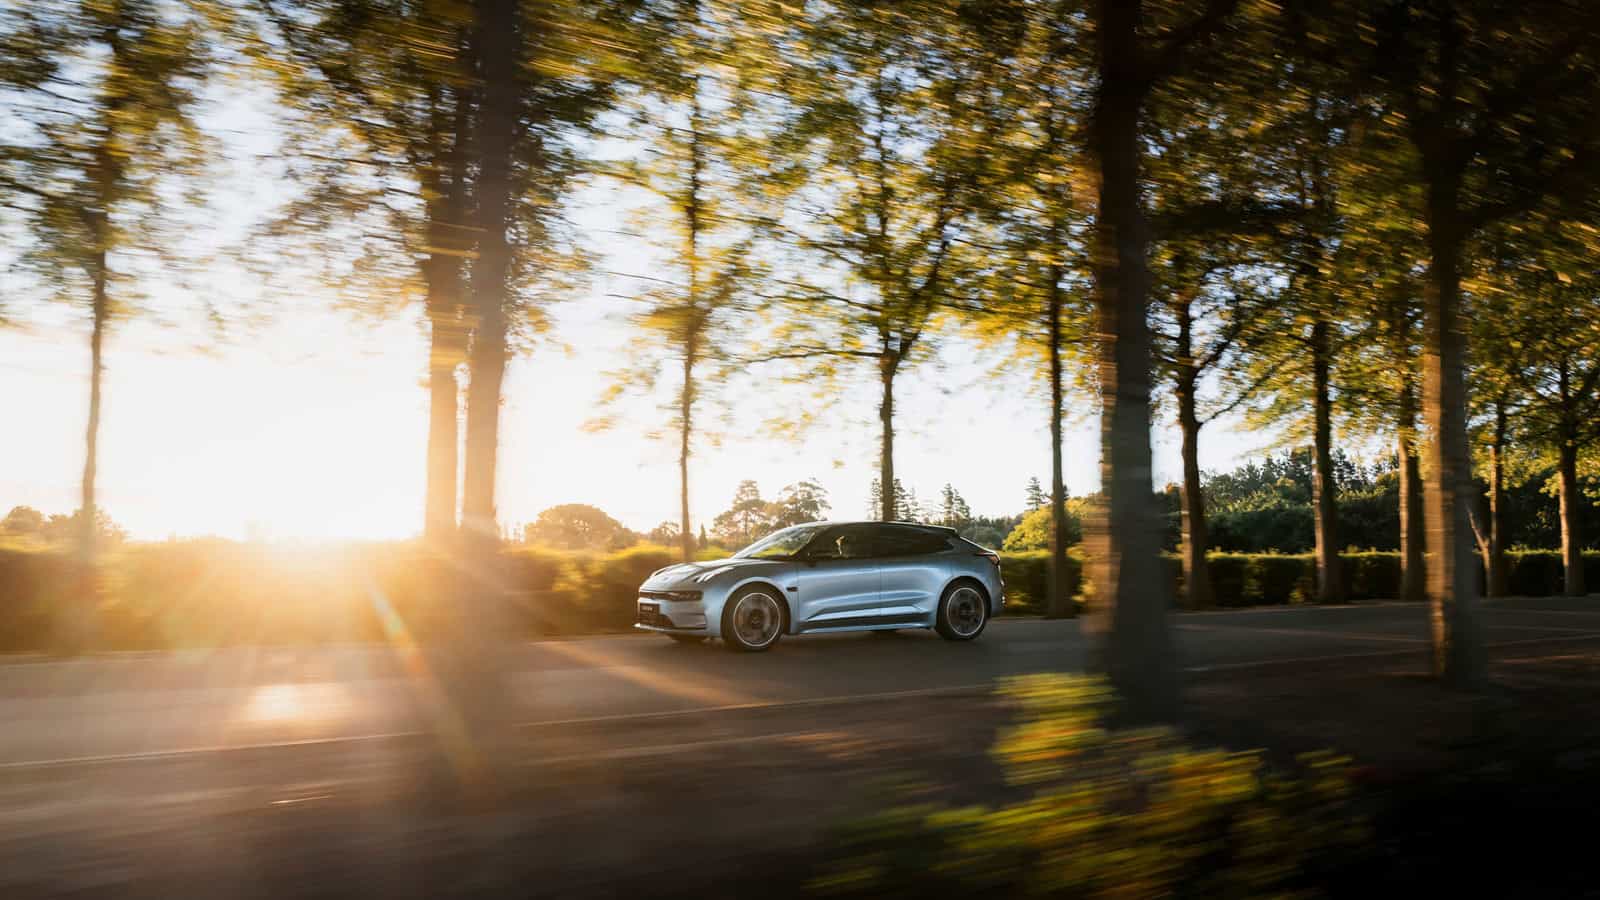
(991, 556)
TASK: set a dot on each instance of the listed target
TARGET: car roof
(942, 529)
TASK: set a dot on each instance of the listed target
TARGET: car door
(838, 580)
(914, 567)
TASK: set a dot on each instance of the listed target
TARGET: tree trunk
(1134, 643)
(447, 338)
(886, 498)
(88, 511)
(1496, 563)
(497, 43)
(1330, 575)
(1459, 656)
(1060, 603)
(474, 732)
(1571, 532)
(692, 321)
(685, 423)
(1196, 573)
(1413, 581)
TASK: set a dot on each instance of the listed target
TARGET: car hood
(688, 572)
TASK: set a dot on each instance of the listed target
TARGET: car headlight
(679, 596)
(704, 577)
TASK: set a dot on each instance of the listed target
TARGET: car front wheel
(963, 612)
(752, 620)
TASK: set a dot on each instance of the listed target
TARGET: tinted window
(781, 544)
(910, 542)
(843, 542)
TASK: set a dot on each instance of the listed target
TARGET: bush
(1033, 532)
(1027, 578)
(1372, 575)
(207, 593)
(1533, 573)
(1109, 814)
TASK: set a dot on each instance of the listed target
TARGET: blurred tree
(578, 526)
(1035, 292)
(388, 98)
(1218, 244)
(1132, 57)
(1478, 96)
(380, 93)
(1550, 315)
(23, 521)
(878, 159)
(666, 534)
(100, 155)
(687, 108)
(1301, 334)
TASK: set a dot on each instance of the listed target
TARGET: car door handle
(793, 588)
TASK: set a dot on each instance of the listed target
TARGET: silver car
(829, 577)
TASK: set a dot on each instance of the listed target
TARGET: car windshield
(780, 544)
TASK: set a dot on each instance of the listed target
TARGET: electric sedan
(829, 577)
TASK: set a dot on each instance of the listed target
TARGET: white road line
(1374, 654)
(764, 704)
(182, 752)
(1587, 613)
(1301, 632)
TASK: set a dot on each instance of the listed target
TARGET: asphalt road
(131, 706)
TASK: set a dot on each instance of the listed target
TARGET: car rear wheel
(963, 612)
(753, 620)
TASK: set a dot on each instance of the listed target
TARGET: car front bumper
(670, 617)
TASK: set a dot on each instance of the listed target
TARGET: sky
(312, 423)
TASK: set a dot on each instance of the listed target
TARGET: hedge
(188, 594)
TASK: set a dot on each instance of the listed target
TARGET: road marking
(669, 749)
(182, 752)
(1373, 654)
(1587, 613)
(204, 749)
(764, 704)
(983, 688)
(1543, 628)
(1346, 635)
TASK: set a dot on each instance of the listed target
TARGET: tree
(1217, 243)
(22, 521)
(694, 162)
(1480, 94)
(1553, 309)
(799, 503)
(748, 518)
(879, 155)
(1035, 530)
(378, 89)
(103, 98)
(953, 509)
(577, 526)
(1036, 496)
(1135, 645)
(666, 534)
(904, 505)
(1035, 298)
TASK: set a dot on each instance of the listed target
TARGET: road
(132, 706)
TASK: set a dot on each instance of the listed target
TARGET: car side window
(849, 542)
(910, 542)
